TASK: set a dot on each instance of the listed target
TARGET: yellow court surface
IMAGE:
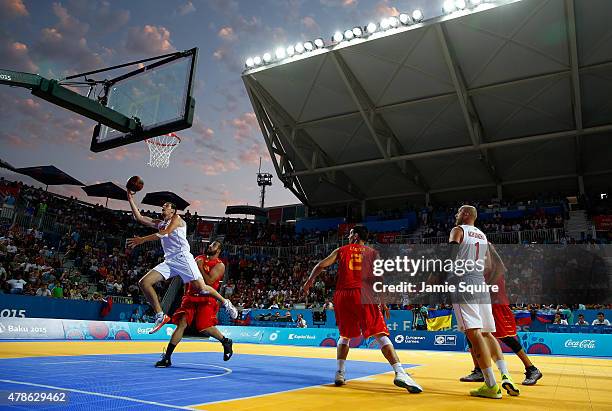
(569, 383)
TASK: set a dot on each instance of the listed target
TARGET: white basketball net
(160, 148)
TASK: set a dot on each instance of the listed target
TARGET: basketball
(135, 184)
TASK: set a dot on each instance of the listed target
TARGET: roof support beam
(272, 142)
(470, 115)
(282, 121)
(575, 78)
(371, 119)
(471, 92)
(463, 149)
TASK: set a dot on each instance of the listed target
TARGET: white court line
(98, 394)
(284, 391)
(66, 362)
(228, 371)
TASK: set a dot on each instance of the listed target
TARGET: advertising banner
(110, 330)
(31, 329)
(428, 340)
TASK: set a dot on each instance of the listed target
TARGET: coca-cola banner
(574, 344)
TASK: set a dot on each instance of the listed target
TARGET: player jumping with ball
(178, 260)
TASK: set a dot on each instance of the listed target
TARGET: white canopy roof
(516, 97)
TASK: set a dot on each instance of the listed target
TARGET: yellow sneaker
(487, 392)
(509, 385)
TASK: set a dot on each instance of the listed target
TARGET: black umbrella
(49, 175)
(247, 210)
(6, 165)
(108, 190)
(158, 198)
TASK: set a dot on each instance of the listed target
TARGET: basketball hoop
(160, 148)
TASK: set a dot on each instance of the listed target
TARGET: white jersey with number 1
(473, 248)
(473, 310)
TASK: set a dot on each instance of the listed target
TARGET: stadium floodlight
(267, 57)
(309, 46)
(357, 32)
(394, 22)
(417, 15)
(385, 24)
(249, 62)
(299, 48)
(371, 28)
(290, 51)
(257, 60)
(460, 4)
(338, 37)
(319, 43)
(448, 6)
(404, 19)
(280, 53)
(348, 34)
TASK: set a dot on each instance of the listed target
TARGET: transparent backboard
(159, 96)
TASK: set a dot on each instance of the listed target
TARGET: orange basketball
(135, 184)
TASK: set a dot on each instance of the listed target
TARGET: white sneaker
(339, 380)
(231, 310)
(403, 380)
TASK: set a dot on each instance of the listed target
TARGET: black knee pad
(513, 343)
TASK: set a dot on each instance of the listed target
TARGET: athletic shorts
(181, 264)
(505, 325)
(472, 315)
(202, 313)
(354, 318)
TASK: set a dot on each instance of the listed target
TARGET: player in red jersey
(505, 325)
(357, 313)
(200, 310)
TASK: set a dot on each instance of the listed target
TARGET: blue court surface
(130, 381)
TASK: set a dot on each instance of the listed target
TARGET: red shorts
(355, 318)
(505, 325)
(201, 311)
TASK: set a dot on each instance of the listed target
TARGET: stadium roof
(515, 97)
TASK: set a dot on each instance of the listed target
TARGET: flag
(522, 317)
(545, 317)
(439, 320)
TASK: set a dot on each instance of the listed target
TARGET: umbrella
(158, 198)
(49, 175)
(6, 165)
(108, 190)
(246, 209)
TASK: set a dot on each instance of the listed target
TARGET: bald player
(473, 311)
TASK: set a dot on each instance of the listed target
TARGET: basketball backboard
(158, 95)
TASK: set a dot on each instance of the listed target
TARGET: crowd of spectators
(82, 253)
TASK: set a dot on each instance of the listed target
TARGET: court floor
(120, 375)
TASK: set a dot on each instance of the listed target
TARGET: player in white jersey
(473, 310)
(178, 260)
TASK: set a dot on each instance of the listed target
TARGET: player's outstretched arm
(318, 269)
(174, 224)
(149, 222)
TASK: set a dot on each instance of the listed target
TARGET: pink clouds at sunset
(13, 8)
(149, 40)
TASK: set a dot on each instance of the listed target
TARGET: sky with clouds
(217, 162)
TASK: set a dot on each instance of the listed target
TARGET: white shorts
(474, 316)
(181, 264)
